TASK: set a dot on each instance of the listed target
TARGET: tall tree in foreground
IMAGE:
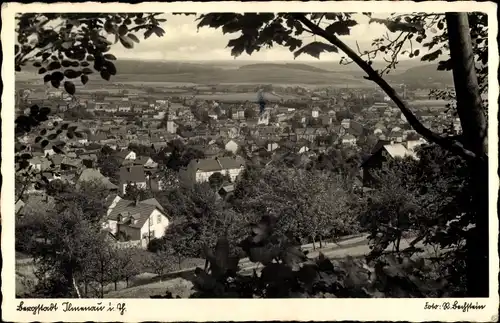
(474, 126)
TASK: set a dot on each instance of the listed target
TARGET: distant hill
(278, 73)
(424, 73)
(292, 66)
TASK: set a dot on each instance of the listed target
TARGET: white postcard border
(238, 310)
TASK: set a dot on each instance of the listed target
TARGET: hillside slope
(263, 73)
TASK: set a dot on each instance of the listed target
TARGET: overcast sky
(182, 41)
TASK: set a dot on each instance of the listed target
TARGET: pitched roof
(231, 162)
(123, 153)
(153, 201)
(140, 211)
(56, 159)
(397, 150)
(132, 174)
(91, 174)
(207, 165)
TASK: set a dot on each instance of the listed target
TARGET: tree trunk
(116, 286)
(126, 282)
(76, 287)
(320, 242)
(179, 259)
(470, 108)
(86, 288)
(474, 126)
(314, 243)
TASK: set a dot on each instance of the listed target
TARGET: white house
(133, 175)
(272, 145)
(232, 146)
(315, 112)
(135, 221)
(303, 149)
(411, 145)
(127, 155)
(264, 119)
(349, 140)
(48, 152)
(200, 170)
(172, 126)
(124, 108)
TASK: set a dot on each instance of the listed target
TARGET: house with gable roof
(200, 170)
(380, 156)
(135, 221)
(132, 175)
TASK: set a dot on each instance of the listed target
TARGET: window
(159, 218)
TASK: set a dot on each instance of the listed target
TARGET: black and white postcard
(250, 161)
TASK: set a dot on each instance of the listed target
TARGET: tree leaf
(37, 64)
(72, 74)
(45, 56)
(315, 49)
(52, 136)
(66, 63)
(445, 65)
(47, 78)
(110, 67)
(148, 33)
(133, 37)
(105, 75)
(58, 76)
(84, 64)
(54, 66)
(340, 27)
(394, 26)
(110, 57)
(84, 79)
(158, 31)
(87, 71)
(122, 30)
(126, 42)
(69, 87)
(42, 70)
(55, 83)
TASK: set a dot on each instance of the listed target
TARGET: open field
(237, 97)
(188, 74)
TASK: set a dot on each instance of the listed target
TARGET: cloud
(183, 41)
